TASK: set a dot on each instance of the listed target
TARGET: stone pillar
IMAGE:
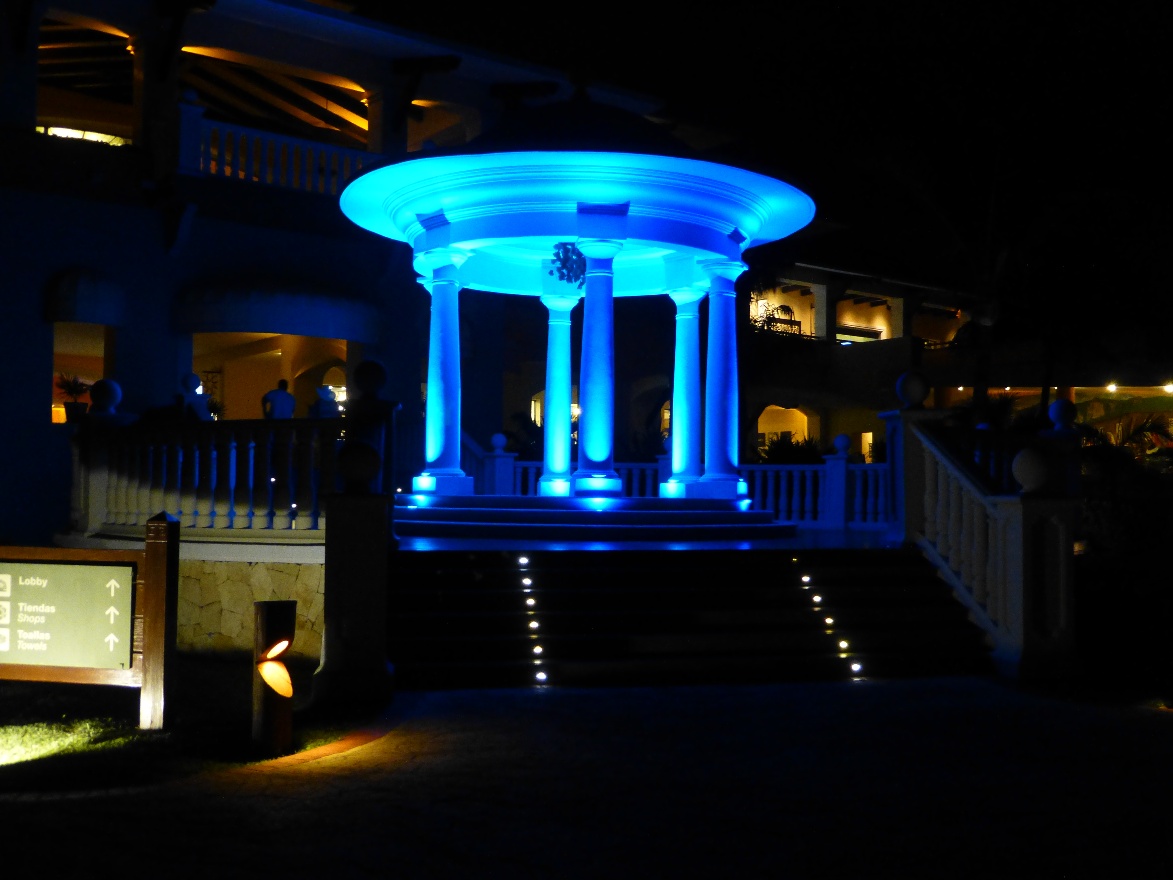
(442, 474)
(721, 479)
(687, 465)
(556, 421)
(596, 473)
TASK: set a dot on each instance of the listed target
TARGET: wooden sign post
(94, 616)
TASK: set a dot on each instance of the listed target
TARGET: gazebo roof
(571, 170)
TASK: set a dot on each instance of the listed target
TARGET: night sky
(939, 141)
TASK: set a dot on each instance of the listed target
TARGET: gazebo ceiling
(507, 210)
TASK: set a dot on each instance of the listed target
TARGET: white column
(556, 420)
(686, 395)
(721, 479)
(442, 474)
(596, 473)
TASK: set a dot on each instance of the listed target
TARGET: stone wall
(216, 603)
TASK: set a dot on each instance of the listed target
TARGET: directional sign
(66, 614)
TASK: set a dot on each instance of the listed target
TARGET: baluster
(244, 485)
(981, 528)
(860, 513)
(965, 564)
(954, 521)
(930, 498)
(206, 483)
(996, 573)
(282, 476)
(811, 507)
(224, 441)
(941, 516)
(172, 478)
(189, 479)
(158, 497)
(129, 493)
(304, 450)
(142, 501)
(264, 478)
(116, 488)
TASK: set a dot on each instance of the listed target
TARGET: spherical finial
(498, 441)
(369, 378)
(1031, 469)
(842, 444)
(911, 389)
(105, 395)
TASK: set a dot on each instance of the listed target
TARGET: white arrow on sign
(110, 640)
(111, 612)
(113, 585)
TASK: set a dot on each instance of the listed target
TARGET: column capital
(427, 262)
(559, 302)
(687, 296)
(725, 270)
(599, 248)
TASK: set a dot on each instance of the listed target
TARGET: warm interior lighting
(276, 676)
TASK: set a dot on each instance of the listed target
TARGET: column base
(676, 487)
(719, 488)
(443, 484)
(608, 485)
(554, 487)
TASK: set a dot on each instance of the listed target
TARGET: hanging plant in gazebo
(569, 263)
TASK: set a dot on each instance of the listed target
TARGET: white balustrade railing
(1009, 558)
(217, 478)
(835, 494)
(238, 152)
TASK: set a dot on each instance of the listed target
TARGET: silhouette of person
(325, 407)
(278, 403)
(192, 402)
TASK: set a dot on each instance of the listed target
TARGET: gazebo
(584, 213)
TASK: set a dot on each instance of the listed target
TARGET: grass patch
(68, 737)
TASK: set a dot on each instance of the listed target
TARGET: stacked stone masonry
(216, 603)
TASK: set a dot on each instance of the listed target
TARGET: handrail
(1009, 558)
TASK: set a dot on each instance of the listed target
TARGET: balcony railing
(221, 149)
(222, 480)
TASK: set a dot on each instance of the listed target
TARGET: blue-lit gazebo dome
(647, 221)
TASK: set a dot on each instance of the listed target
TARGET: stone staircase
(466, 619)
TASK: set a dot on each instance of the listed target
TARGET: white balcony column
(721, 479)
(687, 465)
(556, 420)
(596, 473)
(442, 474)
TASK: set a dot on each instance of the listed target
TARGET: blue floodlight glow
(423, 483)
(508, 210)
(558, 488)
(592, 503)
(672, 489)
(600, 483)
